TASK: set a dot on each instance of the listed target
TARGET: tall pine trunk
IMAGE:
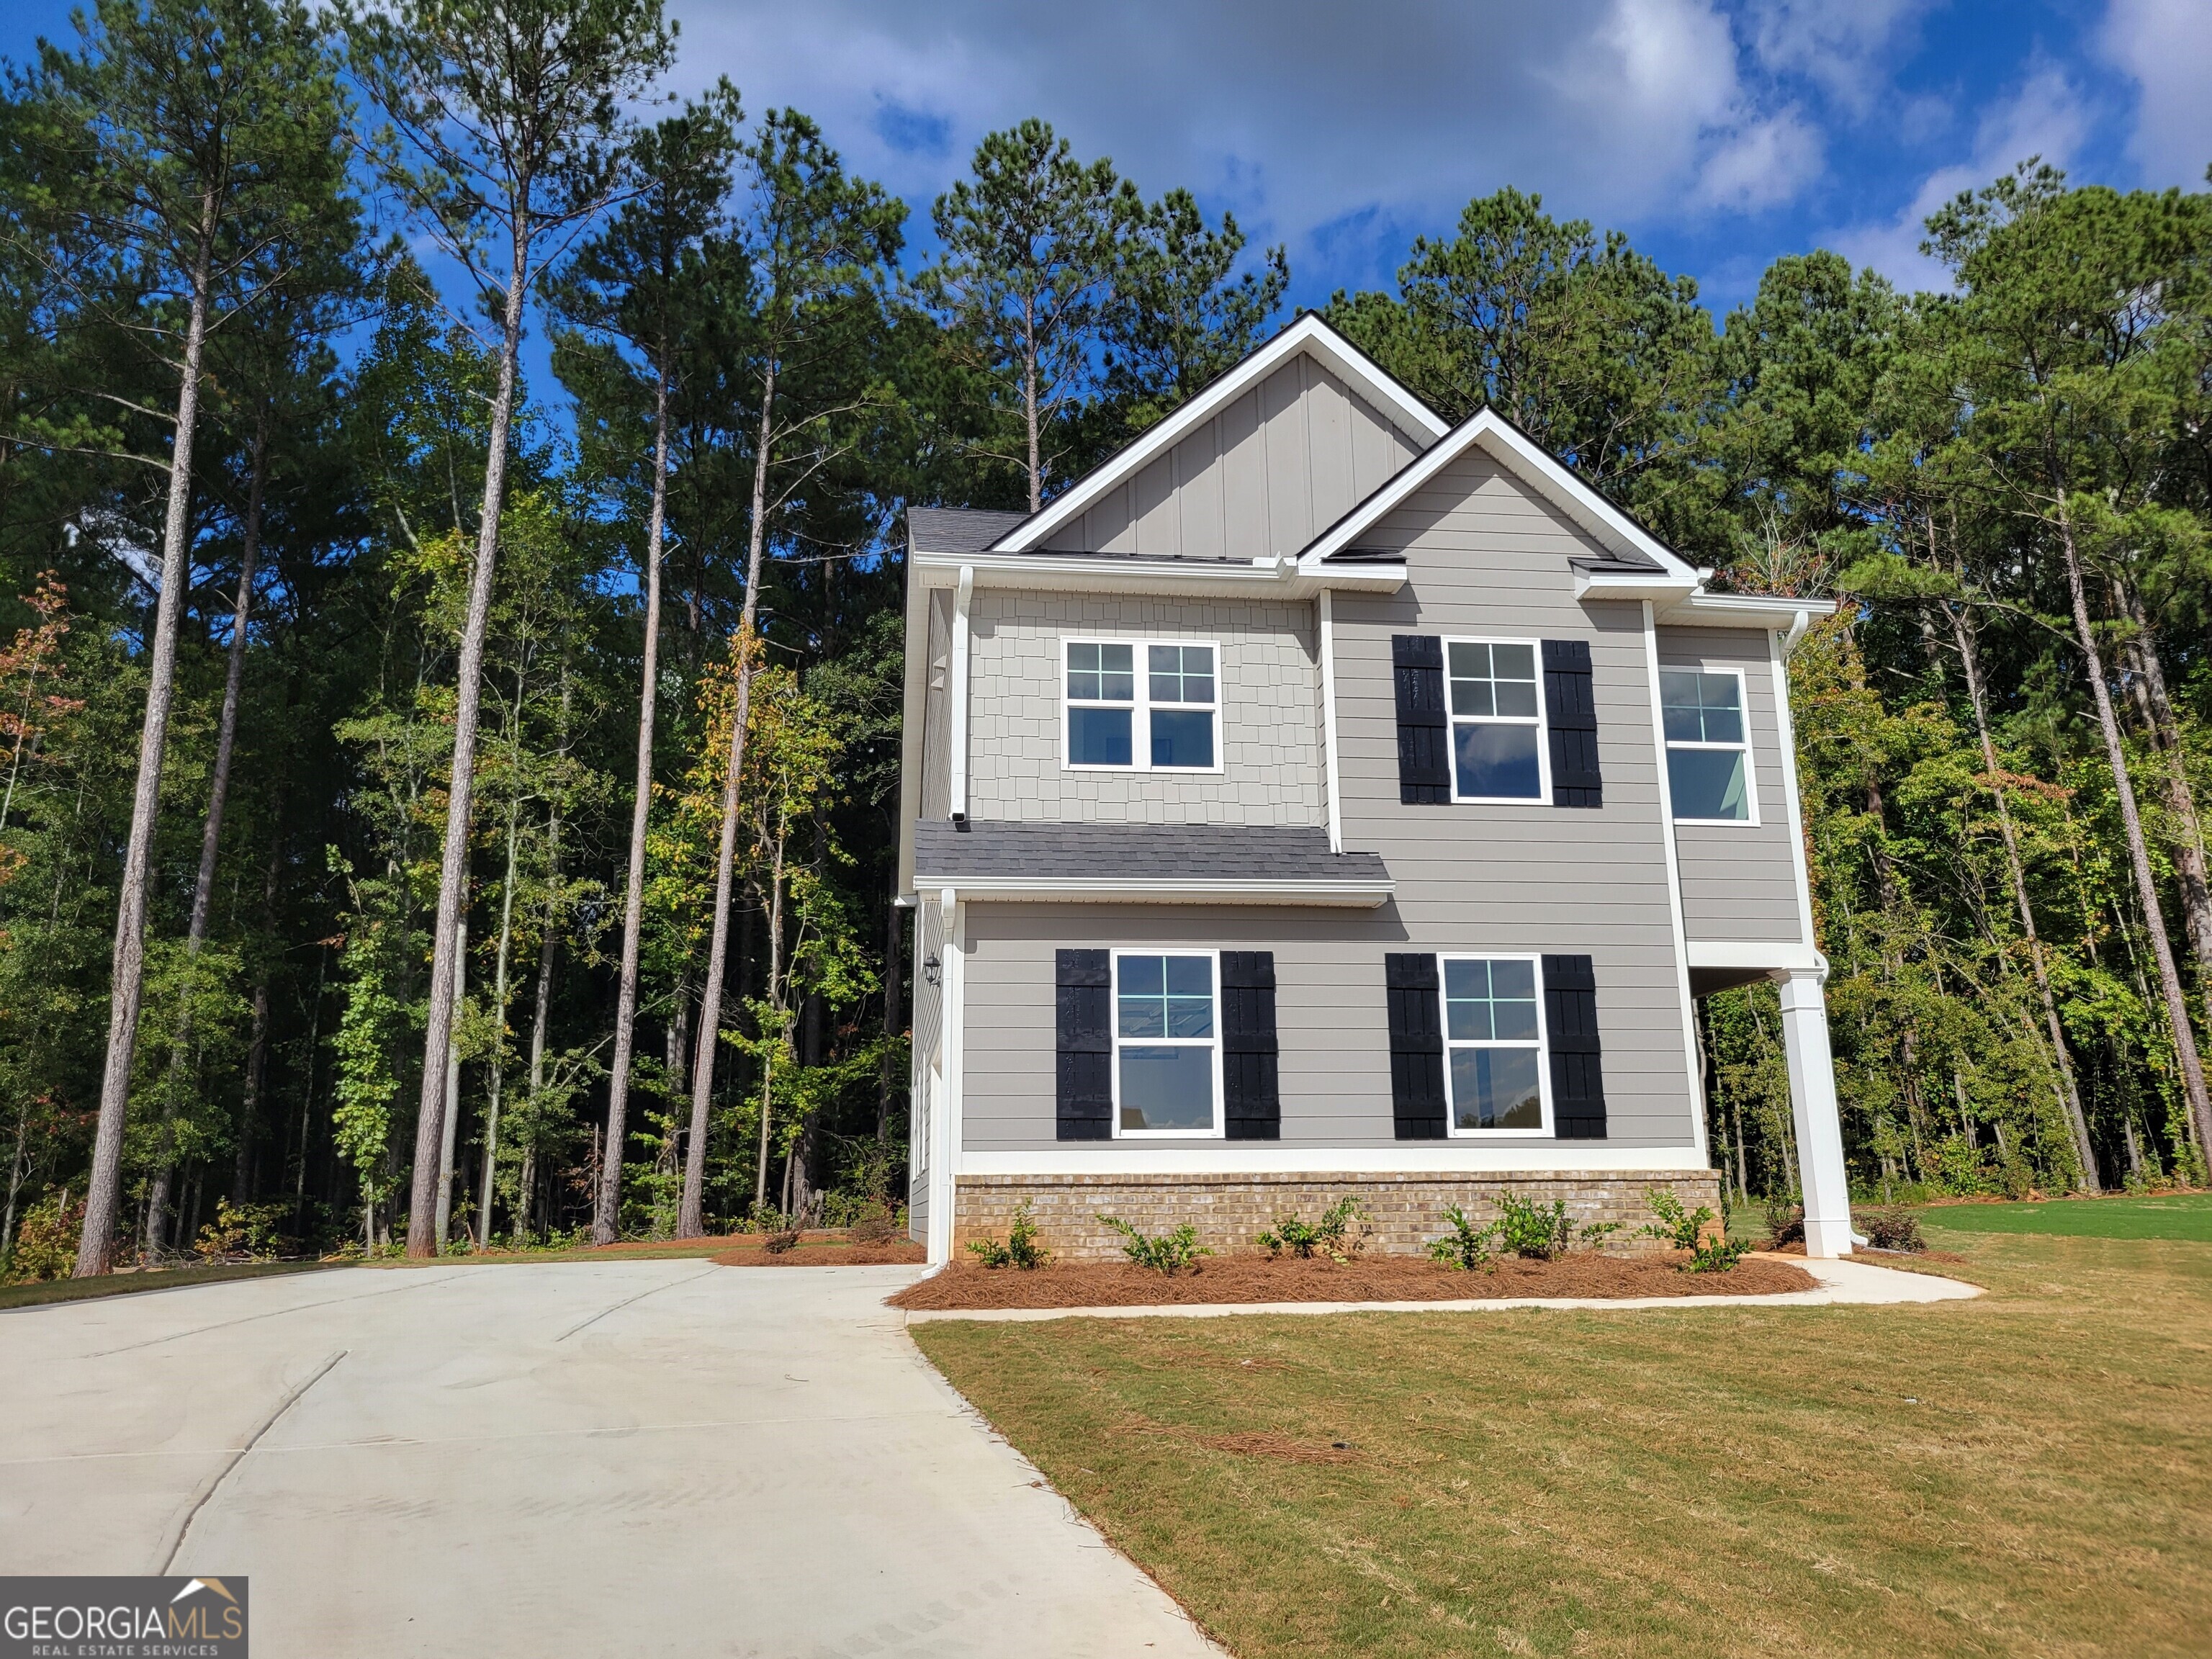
(96, 1242)
(2169, 977)
(2070, 1099)
(452, 871)
(2189, 860)
(690, 1216)
(607, 1210)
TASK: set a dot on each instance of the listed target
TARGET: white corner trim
(1786, 726)
(1514, 450)
(957, 746)
(945, 1126)
(1449, 1157)
(1061, 889)
(1696, 1072)
(1330, 778)
(1309, 334)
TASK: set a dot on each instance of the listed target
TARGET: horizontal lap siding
(928, 1019)
(1740, 882)
(1269, 687)
(1485, 556)
(1331, 1021)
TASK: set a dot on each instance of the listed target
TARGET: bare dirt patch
(1380, 1278)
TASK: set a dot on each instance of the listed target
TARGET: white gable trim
(1511, 449)
(1309, 335)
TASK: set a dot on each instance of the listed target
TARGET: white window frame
(1219, 1130)
(1750, 821)
(1140, 710)
(1541, 723)
(1542, 1045)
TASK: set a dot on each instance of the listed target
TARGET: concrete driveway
(632, 1458)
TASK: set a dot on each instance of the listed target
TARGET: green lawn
(2029, 1472)
(2187, 1216)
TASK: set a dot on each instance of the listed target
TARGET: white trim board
(1452, 1157)
(1310, 334)
(1057, 890)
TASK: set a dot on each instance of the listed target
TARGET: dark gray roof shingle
(1133, 852)
(956, 529)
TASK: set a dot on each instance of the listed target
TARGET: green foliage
(1332, 1236)
(244, 1232)
(1467, 1246)
(1891, 1229)
(46, 1234)
(1168, 1254)
(1021, 1249)
(1710, 1248)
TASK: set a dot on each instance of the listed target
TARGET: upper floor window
(1167, 1044)
(1496, 720)
(1493, 1044)
(1708, 753)
(1142, 706)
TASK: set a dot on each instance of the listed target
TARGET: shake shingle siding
(1739, 881)
(1269, 686)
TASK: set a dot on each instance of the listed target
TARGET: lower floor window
(1493, 1044)
(1166, 1044)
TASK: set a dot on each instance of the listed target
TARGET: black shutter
(1082, 1000)
(1417, 671)
(1251, 1094)
(1570, 1031)
(1416, 1047)
(1570, 712)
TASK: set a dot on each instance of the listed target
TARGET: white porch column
(1813, 1107)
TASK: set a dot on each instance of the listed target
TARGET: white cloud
(2167, 47)
(1839, 48)
(2047, 117)
(1307, 118)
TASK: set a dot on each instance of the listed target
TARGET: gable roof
(956, 529)
(1309, 335)
(1628, 546)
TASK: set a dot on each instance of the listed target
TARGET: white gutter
(1264, 578)
(958, 734)
(1058, 889)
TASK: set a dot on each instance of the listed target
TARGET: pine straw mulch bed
(825, 1249)
(1370, 1278)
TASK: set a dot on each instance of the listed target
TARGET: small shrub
(1686, 1230)
(1330, 1236)
(47, 1239)
(1785, 1223)
(871, 1223)
(1527, 1229)
(1958, 1171)
(1021, 1249)
(1170, 1254)
(1467, 1246)
(777, 1243)
(1892, 1229)
(242, 1232)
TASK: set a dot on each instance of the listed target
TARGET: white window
(1494, 1045)
(1708, 751)
(1167, 1043)
(1497, 720)
(1142, 706)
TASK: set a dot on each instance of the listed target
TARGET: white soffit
(1309, 335)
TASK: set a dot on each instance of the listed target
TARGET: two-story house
(1314, 799)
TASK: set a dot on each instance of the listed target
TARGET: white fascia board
(1308, 334)
(1769, 956)
(1451, 1158)
(1070, 573)
(1608, 523)
(1055, 890)
(1702, 610)
(1609, 584)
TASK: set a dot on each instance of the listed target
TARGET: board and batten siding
(1740, 880)
(1267, 475)
(1488, 558)
(1268, 683)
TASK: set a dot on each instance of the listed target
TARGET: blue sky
(1717, 133)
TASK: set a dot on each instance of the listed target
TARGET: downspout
(1695, 1070)
(957, 789)
(1327, 610)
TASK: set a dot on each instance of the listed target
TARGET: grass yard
(2029, 1473)
(38, 1295)
(2183, 1215)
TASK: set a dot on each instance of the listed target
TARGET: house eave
(1054, 890)
(1700, 609)
(1266, 578)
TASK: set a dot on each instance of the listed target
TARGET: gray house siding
(1330, 1018)
(929, 1023)
(1268, 685)
(1267, 475)
(1739, 881)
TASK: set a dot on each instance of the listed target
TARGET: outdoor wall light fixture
(934, 971)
